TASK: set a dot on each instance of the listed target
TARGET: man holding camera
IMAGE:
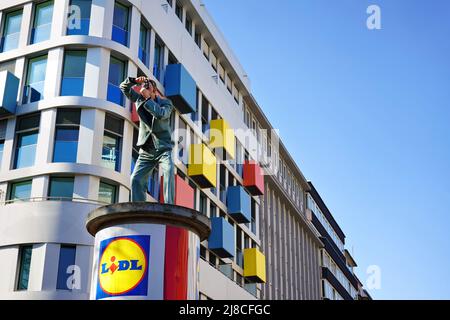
(155, 137)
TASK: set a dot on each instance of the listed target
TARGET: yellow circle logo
(122, 266)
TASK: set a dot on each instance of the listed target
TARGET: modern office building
(67, 146)
(338, 279)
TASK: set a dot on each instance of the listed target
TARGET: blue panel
(239, 204)
(120, 35)
(81, 29)
(115, 95)
(181, 88)
(72, 86)
(221, 240)
(9, 87)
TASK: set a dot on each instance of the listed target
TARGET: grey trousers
(145, 164)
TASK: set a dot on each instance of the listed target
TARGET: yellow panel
(202, 163)
(254, 265)
(222, 136)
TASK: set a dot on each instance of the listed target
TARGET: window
(11, 31)
(61, 188)
(239, 159)
(26, 141)
(203, 204)
(8, 66)
(172, 58)
(144, 41)
(3, 124)
(159, 58)
(20, 190)
(73, 73)
(212, 210)
(42, 24)
(112, 143)
(24, 263)
(66, 136)
(194, 115)
(66, 259)
(221, 73)
(222, 185)
(205, 47)
(107, 193)
(239, 255)
(236, 94)
(205, 114)
(198, 39)
(79, 17)
(182, 142)
(228, 81)
(135, 152)
(120, 24)
(179, 11)
(213, 60)
(254, 210)
(115, 77)
(34, 85)
(188, 24)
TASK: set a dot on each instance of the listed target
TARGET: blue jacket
(154, 117)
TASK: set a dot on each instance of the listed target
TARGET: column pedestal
(146, 251)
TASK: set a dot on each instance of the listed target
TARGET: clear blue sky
(366, 115)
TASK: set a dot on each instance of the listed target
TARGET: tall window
(120, 24)
(3, 124)
(26, 141)
(254, 210)
(112, 143)
(42, 23)
(239, 255)
(205, 114)
(222, 184)
(135, 152)
(20, 190)
(179, 11)
(182, 142)
(73, 73)
(24, 267)
(198, 39)
(144, 41)
(188, 24)
(159, 58)
(107, 193)
(203, 204)
(11, 31)
(79, 17)
(34, 85)
(66, 136)
(116, 76)
(66, 259)
(194, 115)
(61, 188)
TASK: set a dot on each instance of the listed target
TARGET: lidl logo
(123, 267)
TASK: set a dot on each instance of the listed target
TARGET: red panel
(253, 178)
(184, 193)
(176, 264)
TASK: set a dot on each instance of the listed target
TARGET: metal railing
(66, 199)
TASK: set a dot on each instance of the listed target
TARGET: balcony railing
(41, 33)
(67, 199)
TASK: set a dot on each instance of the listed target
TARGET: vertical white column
(59, 20)
(127, 148)
(91, 136)
(44, 149)
(86, 187)
(135, 29)
(50, 267)
(96, 73)
(53, 74)
(102, 12)
(152, 50)
(8, 147)
(20, 73)
(37, 267)
(25, 27)
(39, 187)
(8, 257)
(83, 260)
